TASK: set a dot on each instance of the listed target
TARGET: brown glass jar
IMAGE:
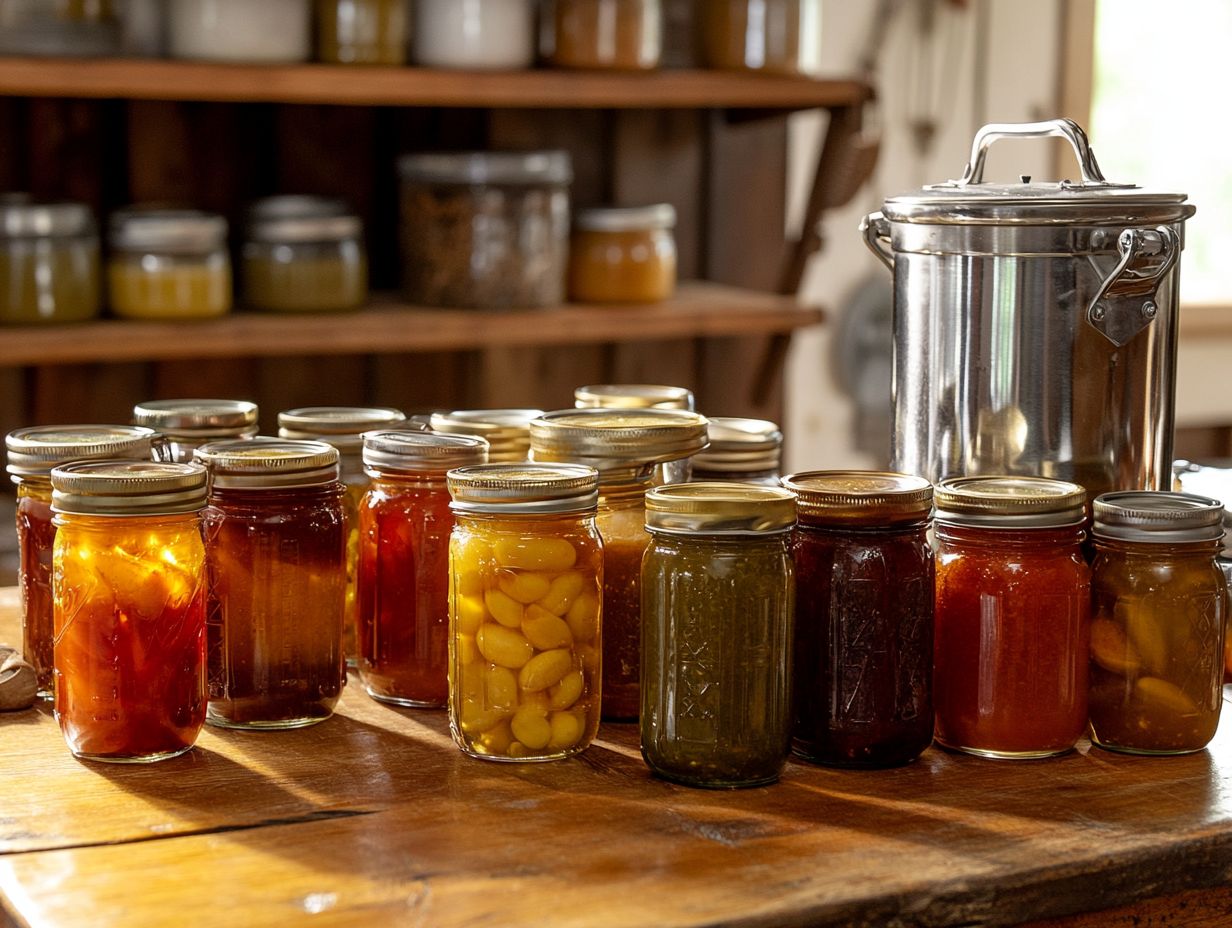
(617, 35)
(507, 431)
(363, 31)
(773, 36)
(623, 254)
(185, 425)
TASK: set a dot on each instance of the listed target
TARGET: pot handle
(1125, 302)
(876, 231)
(1052, 128)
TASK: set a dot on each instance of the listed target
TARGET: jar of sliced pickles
(507, 431)
(168, 264)
(363, 31)
(525, 599)
(717, 612)
(275, 544)
(32, 454)
(740, 450)
(617, 35)
(48, 262)
(402, 594)
(129, 608)
(1160, 607)
(623, 254)
(772, 36)
(185, 425)
(625, 446)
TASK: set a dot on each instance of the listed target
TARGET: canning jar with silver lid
(185, 425)
(168, 264)
(740, 450)
(48, 262)
(507, 431)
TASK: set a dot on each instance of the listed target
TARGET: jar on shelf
(63, 28)
(773, 36)
(623, 254)
(1012, 621)
(363, 31)
(32, 455)
(624, 446)
(525, 594)
(1160, 605)
(864, 618)
(717, 613)
(143, 28)
(617, 35)
(481, 35)
(485, 230)
(275, 544)
(129, 608)
(49, 265)
(185, 425)
(168, 264)
(507, 431)
(402, 595)
(740, 450)
(268, 32)
(304, 254)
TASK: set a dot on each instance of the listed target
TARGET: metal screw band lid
(740, 446)
(524, 488)
(155, 229)
(507, 430)
(268, 463)
(626, 218)
(1010, 502)
(1158, 517)
(127, 488)
(609, 439)
(33, 452)
(856, 497)
(632, 396)
(302, 219)
(418, 451)
(21, 216)
(716, 508)
(341, 426)
(198, 418)
(507, 168)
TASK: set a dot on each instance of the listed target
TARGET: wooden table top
(375, 817)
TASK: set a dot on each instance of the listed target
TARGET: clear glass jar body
(35, 539)
(1157, 637)
(49, 279)
(525, 596)
(716, 653)
(169, 286)
(240, 30)
(1012, 640)
(403, 593)
(362, 31)
(776, 36)
(636, 266)
(474, 34)
(277, 576)
(305, 276)
(129, 635)
(620, 35)
(622, 526)
(863, 643)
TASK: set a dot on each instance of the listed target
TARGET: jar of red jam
(1012, 631)
(864, 618)
(403, 592)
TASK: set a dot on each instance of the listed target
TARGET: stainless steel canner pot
(1035, 324)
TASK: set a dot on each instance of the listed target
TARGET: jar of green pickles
(185, 425)
(48, 262)
(717, 611)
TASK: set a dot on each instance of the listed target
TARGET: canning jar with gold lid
(525, 604)
(740, 450)
(168, 264)
(617, 35)
(49, 265)
(507, 431)
(185, 425)
(632, 396)
(623, 254)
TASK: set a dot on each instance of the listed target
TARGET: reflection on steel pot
(1034, 323)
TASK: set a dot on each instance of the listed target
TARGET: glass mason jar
(275, 544)
(184, 426)
(267, 32)
(624, 446)
(48, 262)
(742, 451)
(363, 31)
(481, 35)
(168, 264)
(774, 36)
(525, 582)
(304, 254)
(623, 254)
(1012, 626)
(864, 618)
(717, 611)
(1160, 605)
(617, 35)
(129, 608)
(403, 598)
(642, 396)
(507, 431)
(485, 230)
(32, 454)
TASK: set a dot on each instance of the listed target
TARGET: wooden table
(374, 817)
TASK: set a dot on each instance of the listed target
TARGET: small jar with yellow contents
(623, 254)
(48, 262)
(168, 264)
(525, 604)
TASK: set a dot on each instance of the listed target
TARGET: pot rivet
(1099, 311)
(1149, 309)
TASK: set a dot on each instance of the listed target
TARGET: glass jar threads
(1160, 605)
(402, 594)
(740, 450)
(129, 608)
(485, 230)
(48, 262)
(362, 31)
(775, 36)
(1012, 625)
(507, 431)
(525, 575)
(304, 254)
(618, 35)
(168, 264)
(623, 254)
(717, 611)
(275, 543)
(32, 454)
(185, 425)
(483, 35)
(864, 618)
(267, 32)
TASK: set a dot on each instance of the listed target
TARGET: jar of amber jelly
(623, 254)
(1160, 605)
(769, 36)
(618, 35)
(185, 425)
(32, 454)
(717, 611)
(624, 446)
(168, 264)
(404, 529)
(1012, 627)
(129, 595)
(740, 451)
(525, 595)
(864, 618)
(507, 431)
(275, 542)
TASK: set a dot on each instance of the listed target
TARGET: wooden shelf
(698, 310)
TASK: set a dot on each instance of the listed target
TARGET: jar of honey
(623, 254)
(275, 543)
(402, 595)
(48, 262)
(168, 264)
(129, 608)
(363, 31)
(769, 36)
(185, 425)
(507, 431)
(32, 455)
(618, 35)
(864, 618)
(1012, 626)
(525, 595)
(740, 450)
(1160, 606)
